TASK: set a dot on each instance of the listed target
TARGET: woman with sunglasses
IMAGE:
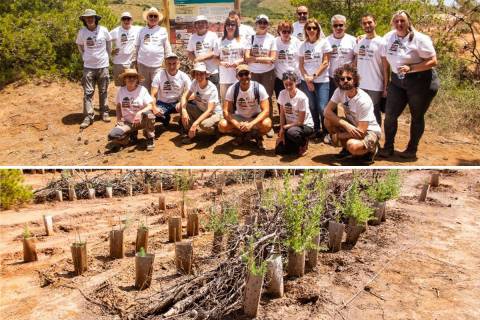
(152, 46)
(229, 51)
(412, 57)
(296, 122)
(287, 54)
(314, 59)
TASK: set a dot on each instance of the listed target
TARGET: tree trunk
(161, 202)
(253, 292)
(335, 235)
(143, 271)
(423, 194)
(91, 193)
(48, 222)
(59, 195)
(116, 244)
(29, 250)
(184, 257)
(275, 276)
(142, 239)
(109, 192)
(312, 254)
(192, 224)
(435, 180)
(79, 257)
(174, 229)
(217, 247)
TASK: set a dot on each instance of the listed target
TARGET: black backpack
(236, 90)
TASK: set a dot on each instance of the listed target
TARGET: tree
(12, 190)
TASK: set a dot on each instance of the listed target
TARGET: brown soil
(422, 263)
(41, 127)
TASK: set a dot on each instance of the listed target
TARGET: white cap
(200, 67)
(201, 18)
(126, 14)
(262, 17)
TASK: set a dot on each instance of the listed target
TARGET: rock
(79, 138)
(85, 142)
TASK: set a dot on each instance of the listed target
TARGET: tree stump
(91, 193)
(335, 235)
(275, 276)
(174, 229)
(109, 192)
(143, 270)
(435, 180)
(161, 202)
(59, 195)
(423, 194)
(219, 191)
(79, 257)
(117, 250)
(253, 291)
(184, 257)
(296, 263)
(142, 239)
(29, 250)
(217, 246)
(312, 254)
(378, 213)
(72, 195)
(48, 222)
(192, 224)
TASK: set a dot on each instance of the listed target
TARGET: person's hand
(404, 69)
(115, 51)
(354, 131)
(192, 131)
(246, 126)
(308, 78)
(156, 111)
(384, 94)
(310, 86)
(185, 118)
(137, 119)
(120, 122)
(281, 136)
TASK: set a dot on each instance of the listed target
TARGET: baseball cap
(126, 14)
(200, 18)
(242, 67)
(262, 17)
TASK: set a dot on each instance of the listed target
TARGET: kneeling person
(296, 122)
(245, 109)
(204, 110)
(358, 132)
(134, 105)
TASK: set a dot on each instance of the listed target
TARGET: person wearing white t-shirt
(296, 122)
(260, 56)
(204, 110)
(94, 43)
(357, 130)
(246, 31)
(287, 55)
(414, 81)
(229, 51)
(168, 87)
(314, 59)
(342, 47)
(152, 46)
(200, 48)
(134, 105)
(372, 65)
(245, 109)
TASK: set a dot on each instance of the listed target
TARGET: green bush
(386, 188)
(220, 222)
(255, 267)
(354, 205)
(12, 190)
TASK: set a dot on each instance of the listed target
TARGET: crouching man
(134, 105)
(357, 130)
(245, 109)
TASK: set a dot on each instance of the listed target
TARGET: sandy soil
(422, 263)
(41, 127)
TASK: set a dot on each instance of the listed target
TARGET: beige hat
(126, 14)
(130, 72)
(153, 10)
(90, 13)
(242, 67)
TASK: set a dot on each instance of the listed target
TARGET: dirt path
(424, 259)
(41, 127)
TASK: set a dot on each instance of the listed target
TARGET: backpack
(236, 90)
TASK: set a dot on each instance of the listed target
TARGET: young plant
(26, 232)
(182, 182)
(386, 188)
(354, 205)
(142, 253)
(77, 242)
(248, 257)
(312, 225)
(143, 225)
(12, 190)
(220, 222)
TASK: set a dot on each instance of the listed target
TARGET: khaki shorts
(370, 140)
(118, 69)
(208, 125)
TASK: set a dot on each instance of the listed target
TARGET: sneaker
(134, 137)
(386, 152)
(408, 154)
(86, 122)
(327, 139)
(186, 140)
(270, 133)
(106, 117)
(369, 157)
(259, 142)
(238, 141)
(343, 154)
(302, 151)
(150, 144)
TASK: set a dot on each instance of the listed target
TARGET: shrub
(254, 267)
(220, 222)
(142, 253)
(12, 190)
(354, 205)
(26, 232)
(386, 188)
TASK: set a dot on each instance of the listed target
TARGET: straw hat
(153, 10)
(90, 13)
(130, 72)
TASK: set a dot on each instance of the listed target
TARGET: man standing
(299, 26)
(372, 66)
(124, 38)
(245, 109)
(94, 44)
(200, 48)
(246, 32)
(358, 132)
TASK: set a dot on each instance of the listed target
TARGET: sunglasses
(263, 22)
(286, 31)
(131, 77)
(311, 28)
(126, 19)
(288, 76)
(151, 16)
(230, 25)
(338, 25)
(243, 74)
(302, 13)
(346, 79)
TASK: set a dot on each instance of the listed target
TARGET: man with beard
(245, 109)
(357, 131)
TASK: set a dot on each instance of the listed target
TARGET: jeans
(317, 100)
(295, 137)
(418, 90)
(167, 109)
(91, 78)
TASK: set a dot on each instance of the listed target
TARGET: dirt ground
(41, 127)
(422, 263)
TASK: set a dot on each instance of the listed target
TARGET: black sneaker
(259, 142)
(408, 154)
(386, 152)
(343, 154)
(150, 144)
(134, 137)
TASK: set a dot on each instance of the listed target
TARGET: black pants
(417, 90)
(277, 88)
(295, 137)
(333, 87)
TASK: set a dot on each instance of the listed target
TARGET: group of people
(329, 89)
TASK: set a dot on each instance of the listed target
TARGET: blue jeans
(317, 100)
(167, 109)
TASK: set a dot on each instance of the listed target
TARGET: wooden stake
(59, 195)
(29, 250)
(147, 188)
(174, 229)
(79, 257)
(259, 184)
(217, 246)
(435, 180)
(48, 222)
(423, 194)
(130, 190)
(72, 195)
(275, 276)
(184, 257)
(143, 270)
(192, 224)
(335, 235)
(253, 291)
(183, 207)
(117, 250)
(141, 240)
(161, 202)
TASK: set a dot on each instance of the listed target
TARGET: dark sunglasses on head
(243, 74)
(346, 79)
(152, 16)
(338, 25)
(289, 76)
(302, 13)
(311, 28)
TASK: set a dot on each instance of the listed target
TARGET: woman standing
(412, 57)
(229, 50)
(314, 61)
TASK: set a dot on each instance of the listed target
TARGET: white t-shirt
(401, 51)
(358, 108)
(287, 56)
(246, 32)
(229, 51)
(154, 44)
(299, 30)
(261, 47)
(293, 106)
(132, 101)
(95, 55)
(247, 106)
(206, 95)
(312, 54)
(342, 51)
(125, 41)
(171, 88)
(201, 45)
(369, 63)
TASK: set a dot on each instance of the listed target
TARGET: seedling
(387, 188)
(248, 257)
(26, 232)
(142, 253)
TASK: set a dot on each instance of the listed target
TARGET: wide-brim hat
(199, 67)
(90, 13)
(130, 72)
(153, 10)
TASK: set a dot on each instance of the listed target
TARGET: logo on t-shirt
(300, 36)
(198, 46)
(90, 42)
(126, 102)
(256, 50)
(361, 50)
(146, 38)
(123, 38)
(288, 108)
(242, 102)
(282, 55)
(334, 50)
(167, 86)
(308, 55)
(395, 45)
